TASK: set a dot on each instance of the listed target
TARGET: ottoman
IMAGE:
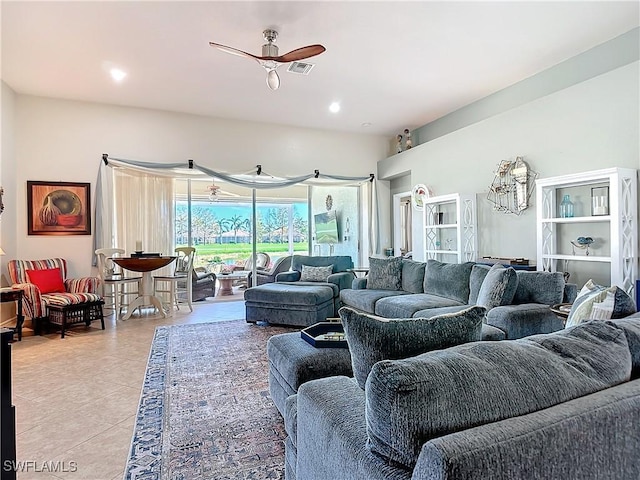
(286, 304)
(292, 362)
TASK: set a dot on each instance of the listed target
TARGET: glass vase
(566, 207)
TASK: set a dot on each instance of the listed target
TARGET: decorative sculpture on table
(512, 186)
(582, 243)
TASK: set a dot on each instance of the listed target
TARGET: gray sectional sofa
(564, 405)
(292, 300)
(517, 302)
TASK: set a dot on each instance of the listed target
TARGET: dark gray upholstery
(413, 276)
(332, 435)
(365, 299)
(588, 438)
(450, 280)
(526, 319)
(478, 272)
(372, 338)
(385, 273)
(516, 320)
(285, 304)
(406, 398)
(341, 263)
(498, 287)
(407, 305)
(546, 288)
(292, 362)
(631, 328)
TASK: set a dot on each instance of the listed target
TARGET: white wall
(8, 237)
(61, 140)
(591, 125)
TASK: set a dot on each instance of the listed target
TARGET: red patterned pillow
(47, 280)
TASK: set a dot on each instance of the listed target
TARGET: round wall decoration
(418, 194)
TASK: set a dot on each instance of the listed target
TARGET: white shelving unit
(617, 232)
(451, 230)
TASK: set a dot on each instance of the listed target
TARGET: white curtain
(136, 207)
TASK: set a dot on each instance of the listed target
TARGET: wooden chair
(115, 286)
(178, 286)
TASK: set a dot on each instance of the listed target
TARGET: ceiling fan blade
(300, 54)
(233, 51)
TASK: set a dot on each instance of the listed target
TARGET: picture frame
(58, 208)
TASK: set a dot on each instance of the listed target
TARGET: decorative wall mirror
(512, 186)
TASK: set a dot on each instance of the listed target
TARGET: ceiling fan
(270, 60)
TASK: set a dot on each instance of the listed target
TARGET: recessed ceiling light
(365, 124)
(334, 107)
(117, 74)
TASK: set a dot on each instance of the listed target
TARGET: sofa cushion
(478, 272)
(546, 288)
(450, 280)
(373, 338)
(407, 305)
(413, 276)
(498, 287)
(595, 302)
(365, 300)
(315, 274)
(385, 273)
(500, 380)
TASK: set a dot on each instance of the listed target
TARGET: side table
(561, 310)
(14, 295)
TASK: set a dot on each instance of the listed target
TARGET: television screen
(326, 227)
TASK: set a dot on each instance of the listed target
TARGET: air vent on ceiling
(300, 68)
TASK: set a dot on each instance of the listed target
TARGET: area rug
(205, 412)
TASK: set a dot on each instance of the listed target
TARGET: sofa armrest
(33, 305)
(526, 319)
(543, 443)
(342, 279)
(359, 283)
(293, 276)
(82, 285)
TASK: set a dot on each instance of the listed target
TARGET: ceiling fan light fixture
(273, 80)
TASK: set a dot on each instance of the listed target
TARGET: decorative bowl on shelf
(582, 243)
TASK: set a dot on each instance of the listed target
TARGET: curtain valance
(257, 178)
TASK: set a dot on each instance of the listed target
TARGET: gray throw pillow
(479, 383)
(373, 338)
(498, 287)
(315, 274)
(478, 272)
(412, 276)
(385, 273)
(449, 280)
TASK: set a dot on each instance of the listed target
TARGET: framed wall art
(58, 208)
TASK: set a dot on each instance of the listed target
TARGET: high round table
(146, 294)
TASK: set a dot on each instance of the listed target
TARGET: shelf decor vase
(566, 207)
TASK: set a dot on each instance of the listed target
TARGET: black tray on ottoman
(317, 336)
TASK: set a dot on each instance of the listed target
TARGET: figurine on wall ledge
(407, 143)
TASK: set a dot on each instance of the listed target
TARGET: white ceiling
(392, 64)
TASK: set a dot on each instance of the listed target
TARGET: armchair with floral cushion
(47, 290)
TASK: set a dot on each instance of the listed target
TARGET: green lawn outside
(231, 253)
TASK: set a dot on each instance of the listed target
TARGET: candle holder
(599, 201)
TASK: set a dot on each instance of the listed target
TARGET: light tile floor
(76, 398)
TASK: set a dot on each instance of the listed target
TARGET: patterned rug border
(149, 438)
